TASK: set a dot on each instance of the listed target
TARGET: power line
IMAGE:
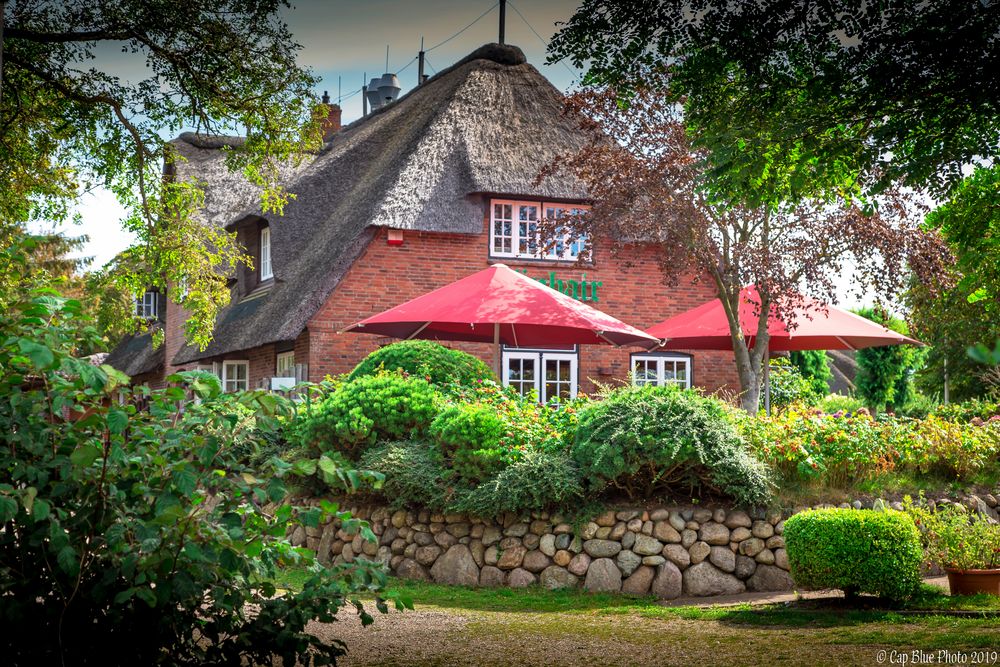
(540, 38)
(494, 6)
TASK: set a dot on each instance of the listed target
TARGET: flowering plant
(955, 538)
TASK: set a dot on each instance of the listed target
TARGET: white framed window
(235, 375)
(515, 231)
(285, 365)
(265, 254)
(551, 374)
(661, 370)
(146, 305)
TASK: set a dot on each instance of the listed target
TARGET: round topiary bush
(857, 551)
(436, 363)
(648, 440)
(469, 437)
(365, 410)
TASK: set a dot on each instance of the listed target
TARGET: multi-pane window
(265, 254)
(516, 230)
(285, 365)
(235, 375)
(549, 374)
(146, 305)
(661, 370)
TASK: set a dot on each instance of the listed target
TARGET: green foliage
(814, 366)
(955, 538)
(358, 413)
(857, 551)
(137, 536)
(469, 437)
(434, 362)
(789, 386)
(885, 374)
(843, 97)
(538, 480)
(649, 439)
(840, 450)
(832, 403)
(966, 411)
(413, 473)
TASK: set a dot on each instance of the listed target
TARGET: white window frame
(522, 239)
(147, 305)
(284, 364)
(266, 272)
(660, 362)
(227, 372)
(539, 357)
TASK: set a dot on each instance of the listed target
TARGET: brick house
(424, 191)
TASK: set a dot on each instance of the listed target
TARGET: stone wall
(667, 552)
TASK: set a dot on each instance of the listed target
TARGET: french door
(550, 374)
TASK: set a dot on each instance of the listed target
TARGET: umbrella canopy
(499, 305)
(817, 327)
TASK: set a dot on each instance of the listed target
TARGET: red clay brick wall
(386, 276)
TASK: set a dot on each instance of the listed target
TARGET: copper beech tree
(646, 185)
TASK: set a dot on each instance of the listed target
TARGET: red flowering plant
(955, 538)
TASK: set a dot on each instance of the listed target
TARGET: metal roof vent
(374, 99)
(388, 88)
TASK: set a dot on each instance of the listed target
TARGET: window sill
(521, 261)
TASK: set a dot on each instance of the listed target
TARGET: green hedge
(857, 551)
(436, 363)
(468, 436)
(648, 440)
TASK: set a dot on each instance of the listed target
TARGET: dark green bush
(413, 473)
(857, 551)
(436, 363)
(468, 436)
(646, 440)
(539, 480)
(360, 412)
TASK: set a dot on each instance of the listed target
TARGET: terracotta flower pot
(970, 582)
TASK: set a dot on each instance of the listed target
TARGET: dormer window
(146, 305)
(516, 231)
(265, 254)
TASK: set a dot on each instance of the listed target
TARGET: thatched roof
(135, 355)
(485, 125)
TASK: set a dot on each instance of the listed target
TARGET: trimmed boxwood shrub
(647, 440)
(436, 363)
(468, 436)
(857, 551)
(360, 412)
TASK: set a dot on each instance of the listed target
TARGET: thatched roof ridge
(485, 125)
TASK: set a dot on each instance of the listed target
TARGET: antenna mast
(503, 19)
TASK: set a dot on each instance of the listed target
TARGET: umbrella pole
(767, 381)
(498, 358)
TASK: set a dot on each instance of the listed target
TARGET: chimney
(332, 123)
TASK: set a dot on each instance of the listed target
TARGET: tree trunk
(749, 375)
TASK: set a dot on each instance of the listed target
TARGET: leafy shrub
(436, 363)
(362, 411)
(966, 411)
(814, 366)
(642, 440)
(833, 403)
(109, 552)
(955, 538)
(413, 473)
(469, 437)
(789, 386)
(857, 551)
(539, 480)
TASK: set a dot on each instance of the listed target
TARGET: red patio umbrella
(817, 326)
(499, 305)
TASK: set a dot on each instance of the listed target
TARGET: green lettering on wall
(576, 289)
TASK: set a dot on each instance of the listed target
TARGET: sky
(345, 40)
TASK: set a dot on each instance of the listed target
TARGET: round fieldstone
(723, 558)
(603, 576)
(411, 569)
(660, 514)
(516, 530)
(535, 561)
(602, 548)
(639, 581)
(738, 519)
(740, 534)
(646, 545)
(578, 564)
(766, 557)
(781, 559)
(751, 547)
(699, 551)
(531, 541)
(445, 540)
(478, 551)
(492, 577)
(705, 579)
(563, 540)
(589, 530)
(628, 561)
(554, 577)
(667, 584)
(745, 566)
(628, 539)
(677, 555)
(399, 518)
(427, 555)
(719, 515)
(702, 514)
(676, 521)
(491, 535)
(663, 531)
(770, 578)
(617, 531)
(688, 537)
(459, 529)
(762, 529)
(547, 544)
(775, 542)
(635, 525)
(511, 557)
(562, 558)
(456, 567)
(714, 533)
(520, 578)
(492, 555)
(606, 519)
(539, 527)
(626, 515)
